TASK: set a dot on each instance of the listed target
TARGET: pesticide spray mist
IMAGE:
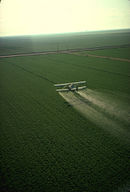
(101, 110)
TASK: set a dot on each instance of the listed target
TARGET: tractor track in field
(70, 51)
(94, 68)
(33, 73)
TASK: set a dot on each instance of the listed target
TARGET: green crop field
(67, 142)
(119, 52)
(25, 44)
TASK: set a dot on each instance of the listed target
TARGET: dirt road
(71, 51)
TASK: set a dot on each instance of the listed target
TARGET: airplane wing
(62, 85)
(73, 83)
(83, 87)
(62, 90)
(73, 89)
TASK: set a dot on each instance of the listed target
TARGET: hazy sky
(18, 17)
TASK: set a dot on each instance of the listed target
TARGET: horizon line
(60, 33)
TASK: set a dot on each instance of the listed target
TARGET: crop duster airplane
(73, 86)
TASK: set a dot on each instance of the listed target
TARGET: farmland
(117, 53)
(70, 142)
(27, 44)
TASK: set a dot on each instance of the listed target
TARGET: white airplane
(73, 86)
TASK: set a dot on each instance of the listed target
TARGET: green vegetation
(27, 44)
(47, 145)
(119, 52)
